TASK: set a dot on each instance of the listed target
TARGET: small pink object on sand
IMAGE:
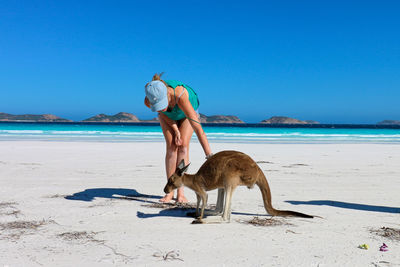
(384, 247)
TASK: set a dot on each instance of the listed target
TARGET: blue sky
(330, 61)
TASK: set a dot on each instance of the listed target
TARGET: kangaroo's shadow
(168, 210)
(112, 193)
(182, 212)
(347, 205)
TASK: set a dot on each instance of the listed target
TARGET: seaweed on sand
(256, 221)
(81, 236)
(14, 230)
(387, 232)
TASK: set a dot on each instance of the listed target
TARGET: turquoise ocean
(226, 133)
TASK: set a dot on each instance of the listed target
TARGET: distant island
(219, 119)
(119, 117)
(31, 118)
(286, 120)
(125, 117)
(389, 122)
(128, 117)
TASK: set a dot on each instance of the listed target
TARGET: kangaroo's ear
(181, 164)
(184, 169)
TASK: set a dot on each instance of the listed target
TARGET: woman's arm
(185, 105)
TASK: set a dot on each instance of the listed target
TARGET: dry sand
(96, 204)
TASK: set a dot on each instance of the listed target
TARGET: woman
(176, 104)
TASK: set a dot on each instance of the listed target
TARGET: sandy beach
(96, 204)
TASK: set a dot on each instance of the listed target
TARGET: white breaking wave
(74, 132)
(22, 131)
(303, 135)
(104, 133)
(211, 134)
(284, 136)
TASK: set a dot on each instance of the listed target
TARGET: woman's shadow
(168, 209)
(111, 193)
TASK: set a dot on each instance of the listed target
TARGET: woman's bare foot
(167, 198)
(181, 199)
(180, 196)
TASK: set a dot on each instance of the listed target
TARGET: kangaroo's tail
(266, 194)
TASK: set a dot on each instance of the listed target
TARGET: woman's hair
(157, 77)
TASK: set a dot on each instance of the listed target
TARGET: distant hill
(32, 118)
(154, 120)
(286, 120)
(120, 117)
(219, 119)
(389, 122)
(312, 122)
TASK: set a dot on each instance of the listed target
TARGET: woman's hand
(178, 140)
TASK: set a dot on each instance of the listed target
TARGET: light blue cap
(156, 93)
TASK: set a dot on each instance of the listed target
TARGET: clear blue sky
(330, 61)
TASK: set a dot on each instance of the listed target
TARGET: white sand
(35, 177)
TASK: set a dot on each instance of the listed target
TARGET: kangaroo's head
(175, 180)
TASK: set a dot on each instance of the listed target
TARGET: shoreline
(241, 125)
(194, 140)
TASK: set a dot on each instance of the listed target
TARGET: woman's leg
(171, 155)
(186, 131)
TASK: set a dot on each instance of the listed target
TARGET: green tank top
(176, 113)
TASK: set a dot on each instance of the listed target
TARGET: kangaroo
(225, 170)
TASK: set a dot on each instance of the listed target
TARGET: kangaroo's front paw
(197, 221)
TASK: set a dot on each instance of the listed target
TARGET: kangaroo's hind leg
(219, 207)
(226, 216)
(220, 201)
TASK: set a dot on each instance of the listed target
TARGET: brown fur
(225, 170)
